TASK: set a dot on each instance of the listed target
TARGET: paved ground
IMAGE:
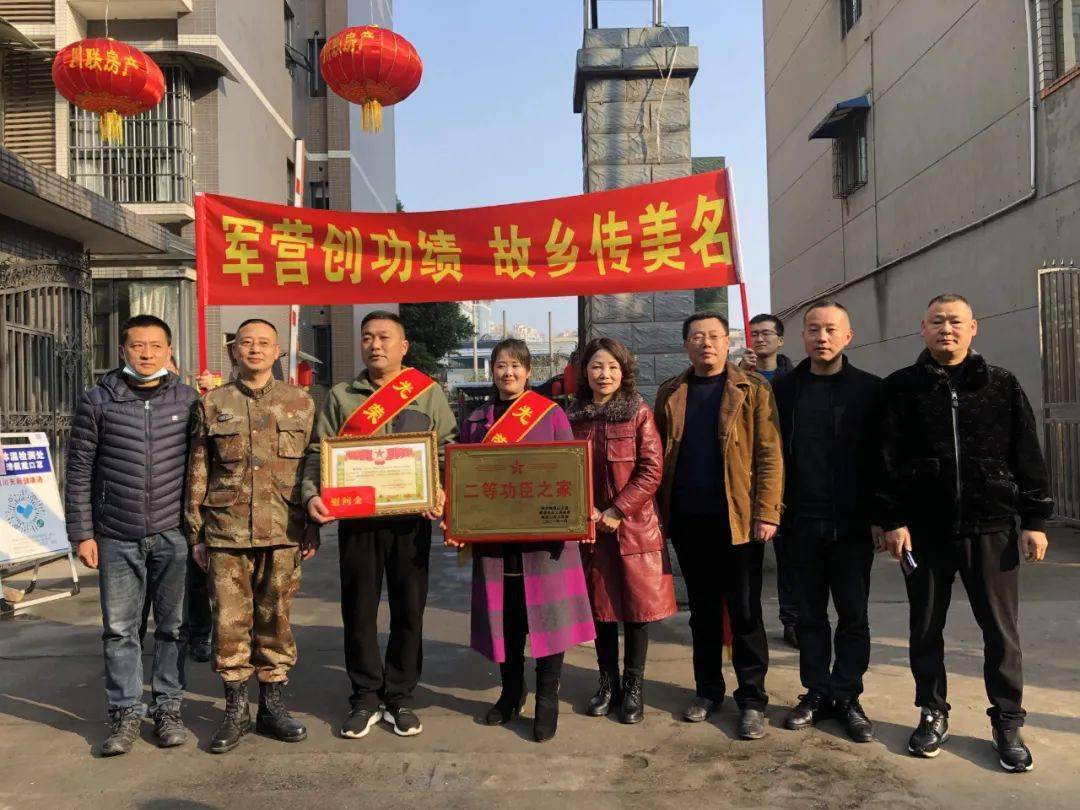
(51, 718)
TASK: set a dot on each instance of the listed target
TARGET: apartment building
(242, 86)
(917, 147)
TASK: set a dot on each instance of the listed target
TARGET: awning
(13, 37)
(836, 123)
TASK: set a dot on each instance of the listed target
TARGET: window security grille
(850, 11)
(850, 168)
(153, 164)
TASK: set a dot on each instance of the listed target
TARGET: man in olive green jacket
(398, 547)
(720, 502)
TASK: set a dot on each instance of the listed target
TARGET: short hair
(515, 347)
(142, 322)
(382, 315)
(704, 315)
(765, 317)
(622, 356)
(949, 298)
(250, 321)
(826, 303)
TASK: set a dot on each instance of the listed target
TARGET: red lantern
(110, 78)
(372, 67)
(305, 374)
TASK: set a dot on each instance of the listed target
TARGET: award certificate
(396, 474)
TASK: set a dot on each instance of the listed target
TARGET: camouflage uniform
(243, 501)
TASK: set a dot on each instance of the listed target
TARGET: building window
(1066, 24)
(324, 352)
(850, 11)
(153, 164)
(320, 195)
(316, 85)
(116, 300)
(849, 159)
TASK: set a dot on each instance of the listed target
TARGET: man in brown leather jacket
(720, 501)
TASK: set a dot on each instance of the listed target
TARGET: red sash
(523, 415)
(387, 402)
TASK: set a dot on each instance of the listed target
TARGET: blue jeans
(131, 571)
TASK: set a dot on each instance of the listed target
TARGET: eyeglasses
(764, 333)
(248, 343)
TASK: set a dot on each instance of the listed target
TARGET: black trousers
(400, 547)
(515, 629)
(830, 561)
(198, 619)
(635, 645)
(785, 584)
(988, 565)
(715, 570)
(197, 615)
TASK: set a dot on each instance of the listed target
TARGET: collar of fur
(620, 408)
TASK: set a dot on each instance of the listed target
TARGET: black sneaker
(811, 708)
(124, 730)
(359, 722)
(169, 728)
(1013, 755)
(932, 731)
(856, 723)
(404, 721)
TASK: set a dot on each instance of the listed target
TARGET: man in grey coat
(125, 484)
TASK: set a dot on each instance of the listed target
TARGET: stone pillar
(619, 89)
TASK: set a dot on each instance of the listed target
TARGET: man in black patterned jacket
(962, 463)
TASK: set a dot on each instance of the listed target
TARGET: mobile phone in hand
(907, 562)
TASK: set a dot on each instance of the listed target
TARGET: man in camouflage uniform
(246, 527)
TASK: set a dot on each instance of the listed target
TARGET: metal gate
(45, 341)
(1059, 342)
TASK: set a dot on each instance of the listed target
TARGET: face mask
(161, 372)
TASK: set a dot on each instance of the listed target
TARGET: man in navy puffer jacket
(125, 484)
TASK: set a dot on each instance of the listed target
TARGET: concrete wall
(948, 146)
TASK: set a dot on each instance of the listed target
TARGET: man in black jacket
(962, 461)
(827, 416)
(763, 355)
(125, 485)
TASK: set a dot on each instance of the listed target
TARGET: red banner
(674, 235)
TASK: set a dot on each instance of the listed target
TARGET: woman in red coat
(627, 571)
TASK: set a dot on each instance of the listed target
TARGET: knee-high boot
(546, 720)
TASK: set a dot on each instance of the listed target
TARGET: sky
(493, 122)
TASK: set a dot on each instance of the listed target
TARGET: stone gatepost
(619, 89)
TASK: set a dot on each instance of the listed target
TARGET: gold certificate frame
(402, 469)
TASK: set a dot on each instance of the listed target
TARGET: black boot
(633, 702)
(608, 694)
(274, 719)
(237, 720)
(512, 697)
(546, 718)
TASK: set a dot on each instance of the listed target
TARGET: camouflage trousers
(252, 592)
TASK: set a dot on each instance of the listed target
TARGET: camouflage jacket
(245, 466)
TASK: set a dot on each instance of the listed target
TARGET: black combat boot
(237, 721)
(512, 697)
(633, 702)
(273, 718)
(608, 694)
(546, 717)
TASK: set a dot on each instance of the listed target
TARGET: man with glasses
(763, 355)
(720, 500)
(764, 342)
